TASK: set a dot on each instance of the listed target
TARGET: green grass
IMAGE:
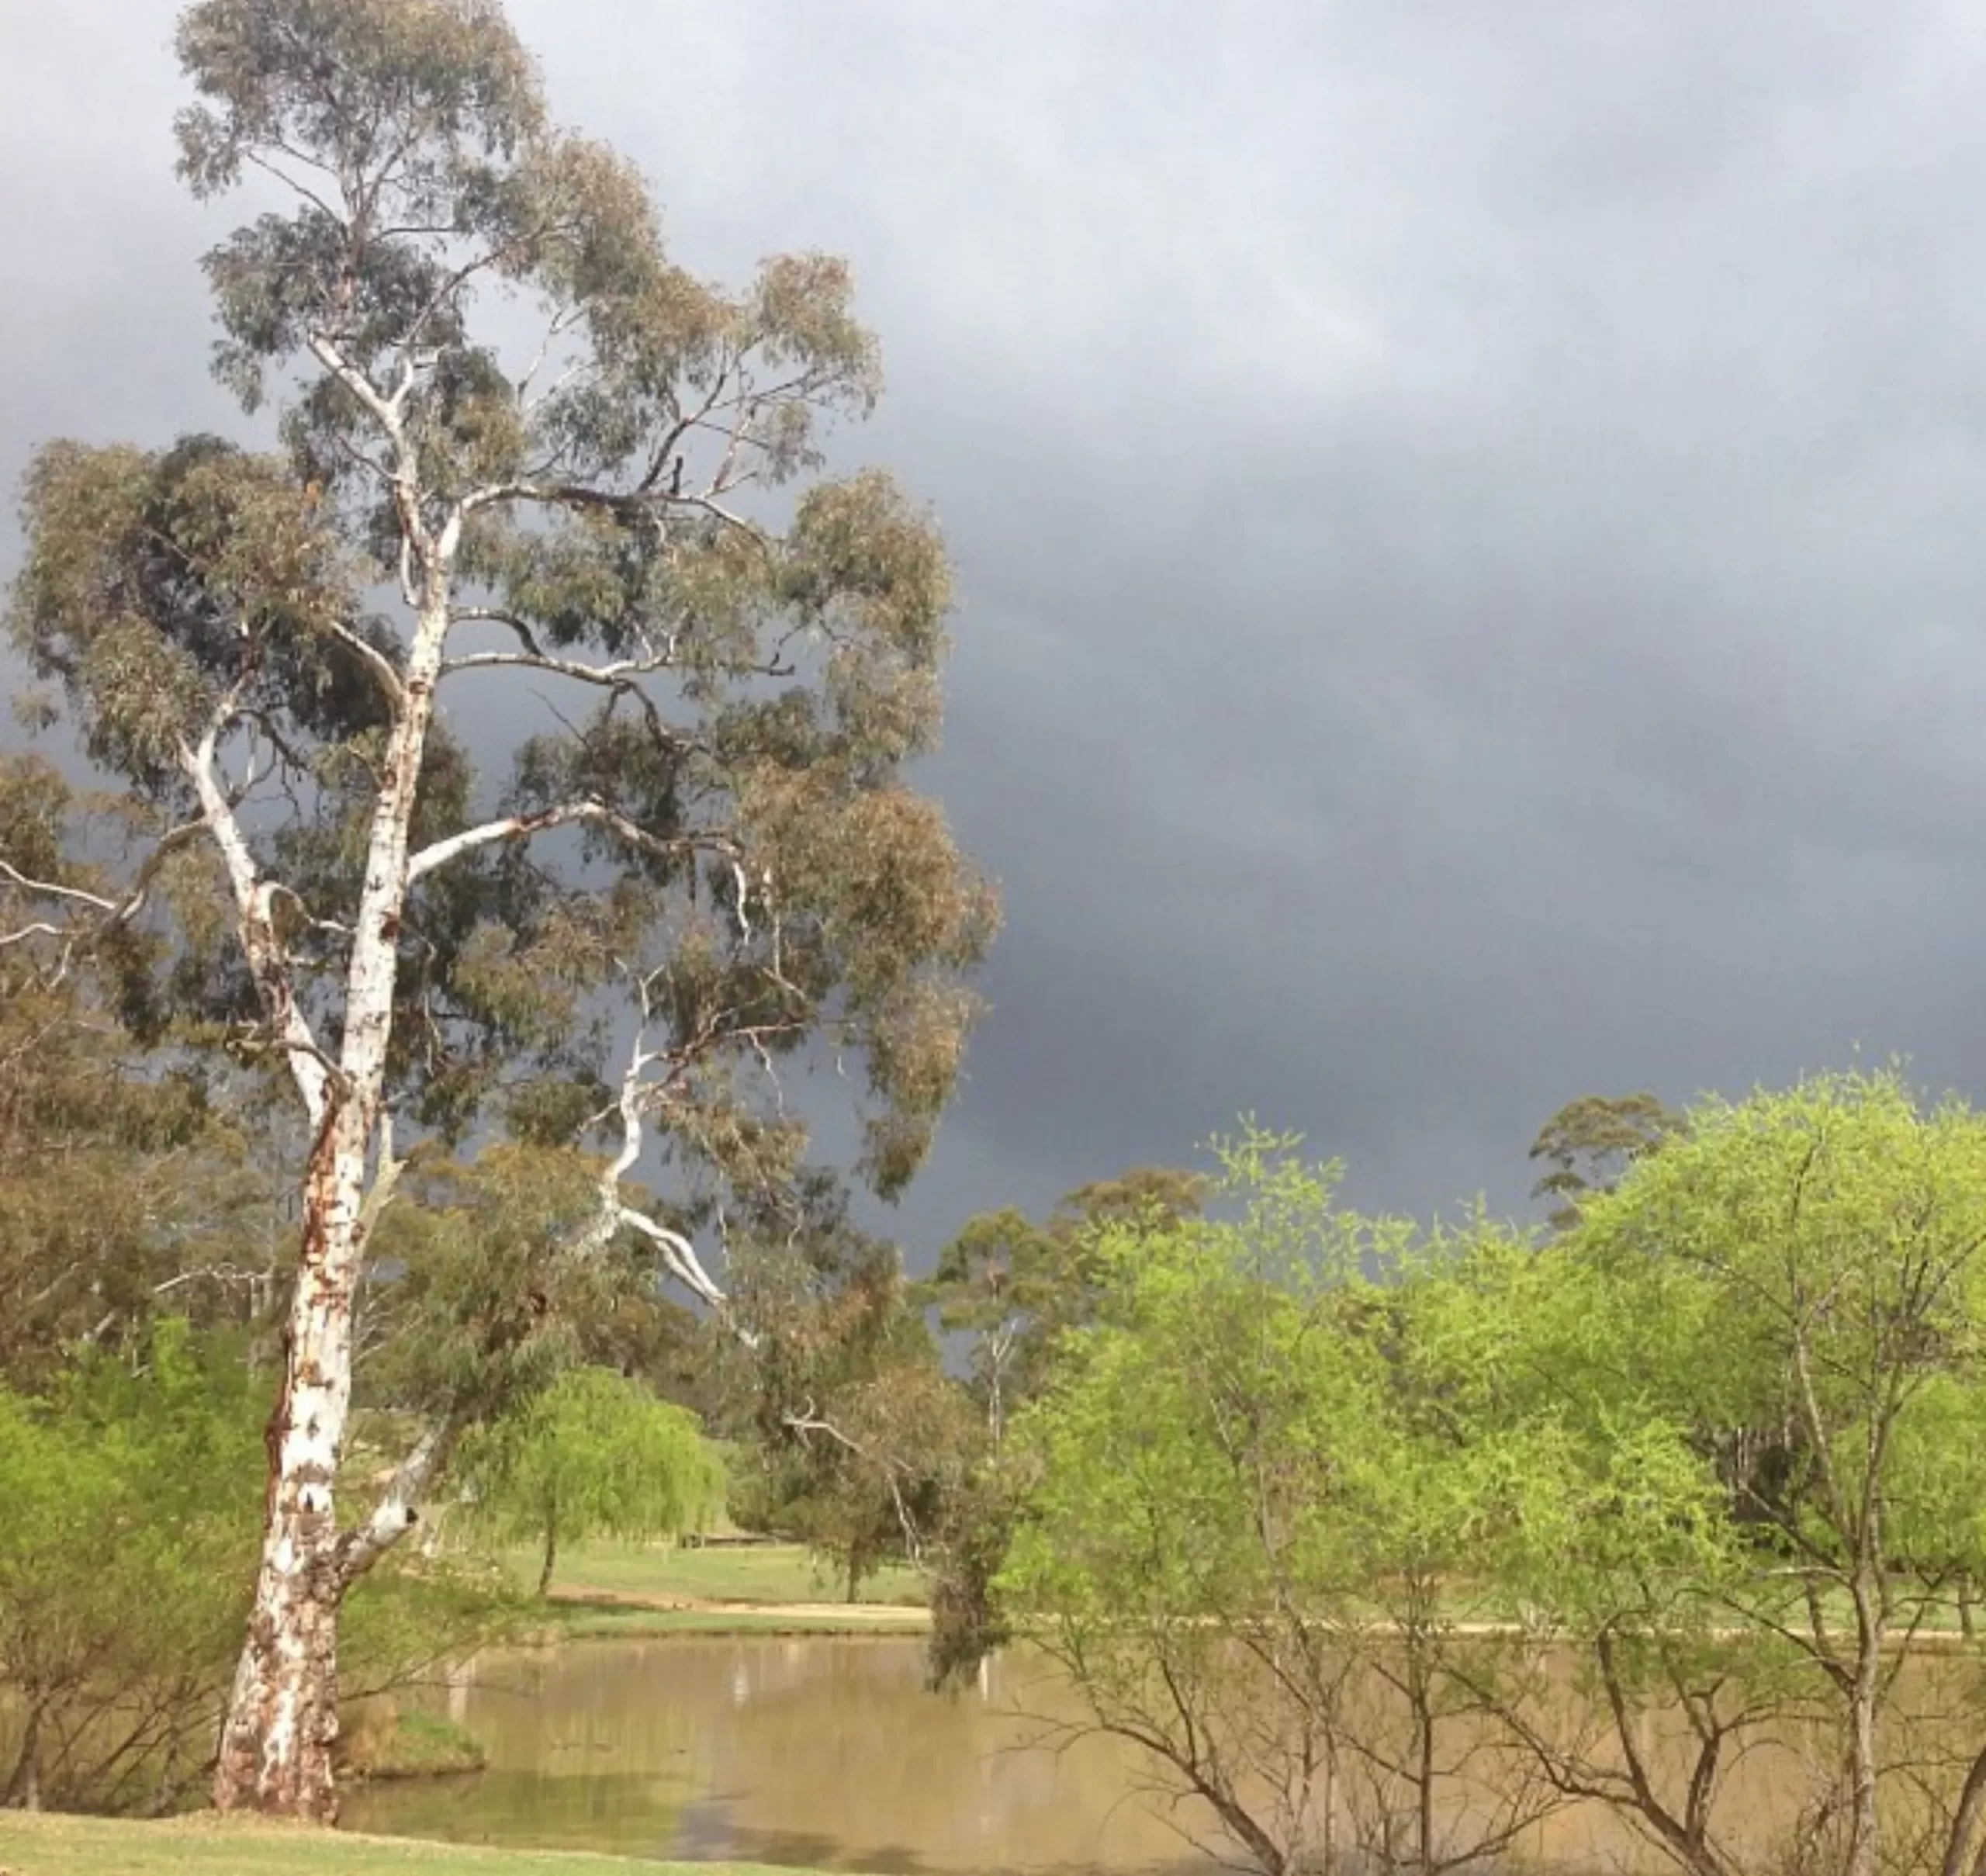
(576, 1620)
(412, 1745)
(758, 1573)
(52, 1846)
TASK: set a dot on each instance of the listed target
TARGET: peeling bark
(276, 1746)
(276, 1743)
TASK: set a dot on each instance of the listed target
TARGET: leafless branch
(254, 897)
(567, 814)
(808, 1421)
(52, 889)
(534, 656)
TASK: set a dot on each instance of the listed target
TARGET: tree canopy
(521, 450)
(1386, 1538)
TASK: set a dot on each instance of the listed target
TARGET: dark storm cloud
(1469, 517)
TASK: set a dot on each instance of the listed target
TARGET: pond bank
(600, 1615)
(47, 1844)
(607, 1590)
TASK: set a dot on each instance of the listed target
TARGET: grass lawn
(575, 1619)
(783, 1573)
(52, 1846)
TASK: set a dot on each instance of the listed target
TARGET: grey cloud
(1467, 518)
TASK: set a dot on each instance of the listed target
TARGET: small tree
(1760, 1364)
(129, 1524)
(1602, 1528)
(1240, 1531)
(595, 1455)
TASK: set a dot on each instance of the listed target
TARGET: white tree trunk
(281, 1724)
(275, 1747)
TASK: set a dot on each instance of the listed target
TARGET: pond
(828, 1752)
(825, 1751)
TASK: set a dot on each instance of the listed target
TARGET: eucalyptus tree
(519, 445)
(1014, 1286)
(1590, 1144)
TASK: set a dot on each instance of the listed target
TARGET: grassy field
(784, 1574)
(577, 1619)
(52, 1846)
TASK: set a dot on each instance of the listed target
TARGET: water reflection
(826, 1753)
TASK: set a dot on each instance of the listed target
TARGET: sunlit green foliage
(1315, 1490)
(1250, 1502)
(126, 1548)
(594, 1455)
(132, 1486)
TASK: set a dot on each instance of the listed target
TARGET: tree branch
(680, 1255)
(567, 814)
(255, 901)
(580, 495)
(389, 413)
(397, 1510)
(375, 660)
(115, 912)
(535, 658)
(808, 1421)
(51, 889)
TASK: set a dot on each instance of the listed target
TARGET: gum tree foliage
(136, 1179)
(1589, 1143)
(273, 657)
(856, 1437)
(1012, 1286)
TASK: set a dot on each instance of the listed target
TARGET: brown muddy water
(828, 1752)
(823, 1751)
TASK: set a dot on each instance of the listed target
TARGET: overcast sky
(1471, 519)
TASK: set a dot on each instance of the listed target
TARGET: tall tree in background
(256, 647)
(853, 1428)
(1015, 1289)
(1012, 1286)
(1590, 1143)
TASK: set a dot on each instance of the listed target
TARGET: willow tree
(519, 447)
